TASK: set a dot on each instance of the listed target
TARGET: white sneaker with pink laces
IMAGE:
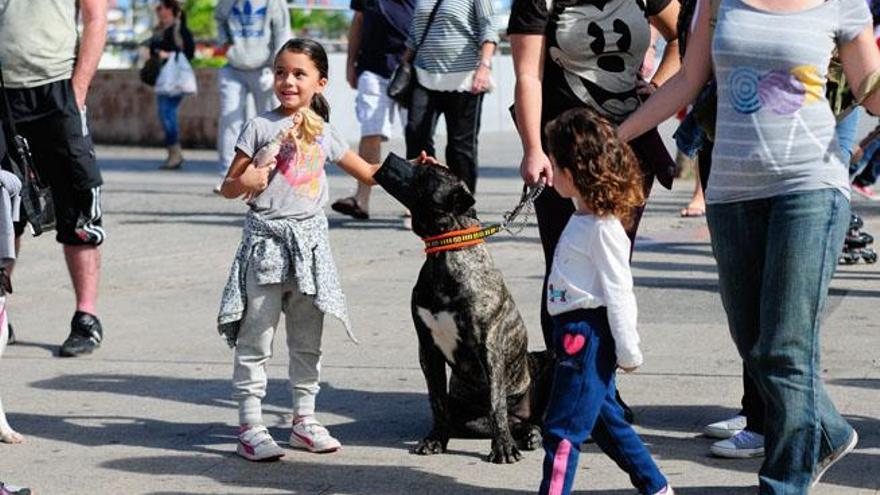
(256, 444)
(310, 435)
(667, 490)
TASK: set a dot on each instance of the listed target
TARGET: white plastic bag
(176, 77)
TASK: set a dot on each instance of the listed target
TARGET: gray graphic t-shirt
(775, 130)
(298, 185)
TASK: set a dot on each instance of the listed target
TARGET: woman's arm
(354, 47)
(860, 59)
(484, 70)
(189, 44)
(528, 65)
(357, 167)
(244, 178)
(682, 88)
(666, 22)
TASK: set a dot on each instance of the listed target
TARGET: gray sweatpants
(235, 84)
(304, 323)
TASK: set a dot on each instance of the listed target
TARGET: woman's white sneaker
(727, 428)
(833, 457)
(743, 445)
(310, 435)
(256, 444)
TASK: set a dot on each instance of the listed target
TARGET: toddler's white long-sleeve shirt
(591, 269)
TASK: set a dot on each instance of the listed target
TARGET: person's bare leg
(11, 266)
(370, 149)
(697, 206)
(84, 266)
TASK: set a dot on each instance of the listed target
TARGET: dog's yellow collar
(458, 239)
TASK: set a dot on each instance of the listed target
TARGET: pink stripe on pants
(560, 465)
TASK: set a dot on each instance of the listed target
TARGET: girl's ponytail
(321, 106)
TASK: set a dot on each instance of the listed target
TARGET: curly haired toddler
(590, 297)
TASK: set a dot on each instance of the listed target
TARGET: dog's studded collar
(458, 239)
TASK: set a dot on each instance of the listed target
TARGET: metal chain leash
(526, 206)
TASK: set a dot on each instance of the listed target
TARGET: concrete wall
(122, 110)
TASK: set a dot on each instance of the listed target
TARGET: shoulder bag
(400, 87)
(36, 196)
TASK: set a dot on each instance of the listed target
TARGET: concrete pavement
(150, 413)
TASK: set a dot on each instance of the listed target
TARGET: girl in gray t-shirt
(284, 264)
(777, 201)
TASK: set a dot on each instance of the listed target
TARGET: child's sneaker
(743, 445)
(866, 192)
(309, 434)
(667, 490)
(13, 490)
(256, 444)
(726, 428)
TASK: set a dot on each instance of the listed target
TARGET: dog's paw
(430, 446)
(504, 452)
(529, 438)
(11, 436)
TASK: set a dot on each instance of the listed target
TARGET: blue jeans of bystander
(168, 106)
(776, 257)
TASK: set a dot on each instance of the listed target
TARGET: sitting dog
(7, 434)
(465, 318)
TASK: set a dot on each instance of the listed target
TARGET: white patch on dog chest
(444, 331)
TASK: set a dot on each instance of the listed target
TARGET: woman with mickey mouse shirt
(556, 70)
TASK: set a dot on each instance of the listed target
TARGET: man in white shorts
(376, 44)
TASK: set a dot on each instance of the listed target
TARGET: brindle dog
(465, 318)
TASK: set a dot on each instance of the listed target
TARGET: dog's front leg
(434, 368)
(504, 450)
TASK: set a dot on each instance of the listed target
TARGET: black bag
(36, 197)
(402, 81)
(150, 71)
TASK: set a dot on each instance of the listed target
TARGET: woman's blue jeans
(168, 106)
(776, 257)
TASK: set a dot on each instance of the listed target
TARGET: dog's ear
(459, 200)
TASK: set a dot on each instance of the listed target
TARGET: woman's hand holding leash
(534, 166)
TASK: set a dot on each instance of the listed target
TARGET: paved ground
(150, 413)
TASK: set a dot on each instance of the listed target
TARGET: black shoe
(627, 412)
(85, 335)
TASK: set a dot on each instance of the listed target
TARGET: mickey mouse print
(594, 47)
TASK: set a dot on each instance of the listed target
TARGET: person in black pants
(452, 60)
(556, 70)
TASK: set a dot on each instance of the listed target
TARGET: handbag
(176, 77)
(150, 71)
(400, 87)
(36, 196)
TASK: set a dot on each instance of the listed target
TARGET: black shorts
(47, 116)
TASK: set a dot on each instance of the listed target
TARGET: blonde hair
(310, 125)
(606, 173)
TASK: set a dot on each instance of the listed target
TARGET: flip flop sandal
(691, 212)
(348, 206)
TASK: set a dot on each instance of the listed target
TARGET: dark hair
(606, 173)
(172, 5)
(318, 56)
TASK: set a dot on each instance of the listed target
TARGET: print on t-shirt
(301, 165)
(600, 45)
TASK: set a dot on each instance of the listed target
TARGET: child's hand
(424, 159)
(254, 179)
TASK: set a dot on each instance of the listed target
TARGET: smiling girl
(284, 263)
